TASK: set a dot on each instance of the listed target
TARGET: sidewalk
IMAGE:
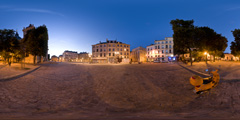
(9, 72)
(228, 70)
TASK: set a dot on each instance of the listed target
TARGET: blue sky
(77, 24)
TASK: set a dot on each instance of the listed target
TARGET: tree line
(188, 38)
(35, 42)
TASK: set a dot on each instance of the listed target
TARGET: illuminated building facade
(161, 50)
(69, 56)
(139, 54)
(111, 51)
(83, 57)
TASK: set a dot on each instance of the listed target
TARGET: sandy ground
(145, 91)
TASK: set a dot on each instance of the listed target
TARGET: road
(145, 91)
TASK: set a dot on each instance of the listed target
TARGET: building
(139, 55)
(60, 58)
(54, 58)
(161, 50)
(70, 56)
(83, 57)
(230, 57)
(111, 51)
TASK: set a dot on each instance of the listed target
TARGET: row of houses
(113, 51)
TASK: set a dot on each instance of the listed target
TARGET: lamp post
(205, 53)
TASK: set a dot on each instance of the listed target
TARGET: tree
(209, 40)
(235, 45)
(36, 42)
(183, 36)
(9, 44)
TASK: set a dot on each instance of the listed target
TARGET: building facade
(139, 54)
(230, 57)
(69, 56)
(111, 51)
(83, 57)
(161, 50)
(54, 58)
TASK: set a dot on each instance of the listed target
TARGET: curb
(8, 78)
(194, 71)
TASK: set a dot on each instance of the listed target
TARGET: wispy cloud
(233, 8)
(8, 8)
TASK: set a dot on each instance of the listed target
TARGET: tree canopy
(235, 45)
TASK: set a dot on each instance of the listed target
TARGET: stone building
(60, 58)
(230, 57)
(69, 56)
(139, 54)
(54, 58)
(83, 57)
(161, 50)
(111, 51)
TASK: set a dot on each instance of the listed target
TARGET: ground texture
(145, 91)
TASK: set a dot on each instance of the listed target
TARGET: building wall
(54, 58)
(70, 56)
(161, 50)
(139, 54)
(83, 57)
(230, 57)
(110, 52)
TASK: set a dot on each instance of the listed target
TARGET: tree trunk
(214, 56)
(34, 59)
(190, 55)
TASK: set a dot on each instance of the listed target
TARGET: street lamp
(205, 53)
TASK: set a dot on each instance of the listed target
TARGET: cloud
(233, 8)
(8, 8)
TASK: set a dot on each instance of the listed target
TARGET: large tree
(36, 42)
(9, 44)
(208, 40)
(235, 45)
(183, 36)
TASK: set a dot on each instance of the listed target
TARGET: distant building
(54, 58)
(70, 56)
(111, 51)
(230, 57)
(139, 54)
(161, 50)
(60, 58)
(83, 57)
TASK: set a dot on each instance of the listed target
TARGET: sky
(77, 24)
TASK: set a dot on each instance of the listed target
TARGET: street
(137, 91)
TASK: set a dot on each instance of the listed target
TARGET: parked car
(156, 61)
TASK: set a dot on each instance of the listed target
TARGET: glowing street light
(205, 53)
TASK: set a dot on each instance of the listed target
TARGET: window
(117, 49)
(159, 42)
(109, 54)
(100, 54)
(162, 51)
(159, 47)
(162, 42)
(97, 50)
(113, 54)
(104, 55)
(162, 46)
(100, 50)
(120, 45)
(155, 47)
(127, 53)
(104, 50)
(104, 45)
(170, 51)
(124, 45)
(162, 55)
(166, 51)
(170, 46)
(121, 49)
(166, 46)
(127, 49)
(120, 53)
(151, 48)
(100, 45)
(109, 50)
(113, 45)
(113, 49)
(93, 46)
(170, 41)
(148, 49)
(166, 41)
(109, 45)
(124, 53)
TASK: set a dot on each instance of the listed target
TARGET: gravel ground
(145, 91)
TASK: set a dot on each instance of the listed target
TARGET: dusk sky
(77, 24)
